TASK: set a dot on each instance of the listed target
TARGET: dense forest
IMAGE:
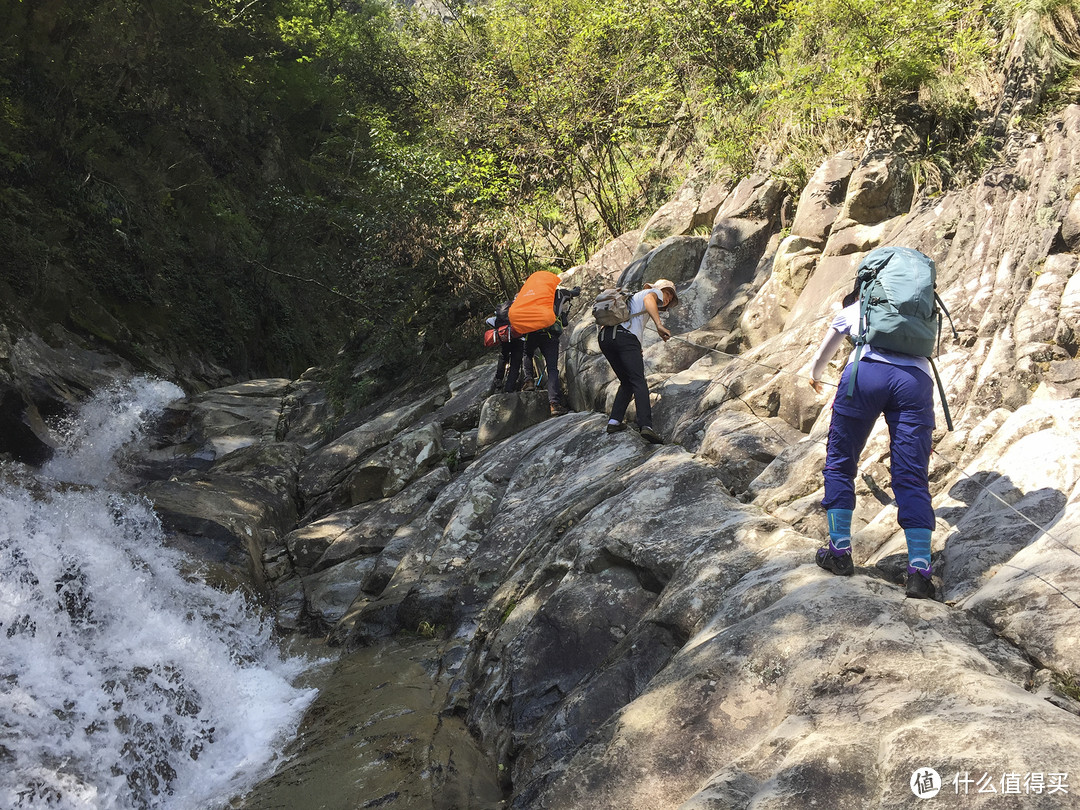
(263, 182)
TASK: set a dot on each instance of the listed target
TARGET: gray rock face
(328, 466)
(505, 415)
(822, 199)
(794, 706)
(237, 509)
(42, 381)
(644, 625)
(677, 259)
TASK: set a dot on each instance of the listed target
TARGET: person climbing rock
(499, 324)
(512, 351)
(879, 381)
(541, 311)
(621, 345)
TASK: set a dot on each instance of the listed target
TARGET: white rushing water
(124, 682)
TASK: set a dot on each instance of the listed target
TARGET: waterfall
(125, 681)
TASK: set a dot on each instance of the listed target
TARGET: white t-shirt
(846, 322)
(638, 315)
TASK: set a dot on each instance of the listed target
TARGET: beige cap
(664, 284)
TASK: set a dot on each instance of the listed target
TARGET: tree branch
(314, 281)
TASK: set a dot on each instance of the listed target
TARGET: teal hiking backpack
(899, 309)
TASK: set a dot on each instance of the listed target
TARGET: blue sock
(839, 523)
(918, 550)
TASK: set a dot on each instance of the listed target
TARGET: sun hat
(664, 284)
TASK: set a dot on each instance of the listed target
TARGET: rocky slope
(636, 626)
(632, 626)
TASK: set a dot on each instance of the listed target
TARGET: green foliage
(556, 110)
(429, 630)
(232, 178)
(840, 64)
(1067, 684)
(262, 183)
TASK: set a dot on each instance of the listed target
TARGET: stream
(127, 681)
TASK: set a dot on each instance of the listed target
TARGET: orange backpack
(534, 307)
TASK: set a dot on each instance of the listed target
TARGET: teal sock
(918, 549)
(839, 523)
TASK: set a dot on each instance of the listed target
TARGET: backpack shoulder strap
(941, 393)
(943, 308)
(860, 339)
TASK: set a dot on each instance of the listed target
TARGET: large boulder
(759, 708)
(677, 259)
(822, 199)
(325, 469)
(505, 415)
(23, 433)
(236, 511)
(195, 432)
(56, 376)
(879, 190)
(42, 382)
(741, 231)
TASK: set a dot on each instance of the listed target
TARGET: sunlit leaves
(860, 56)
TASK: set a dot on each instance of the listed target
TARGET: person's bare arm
(824, 354)
(653, 309)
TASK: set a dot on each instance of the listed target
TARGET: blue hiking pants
(906, 396)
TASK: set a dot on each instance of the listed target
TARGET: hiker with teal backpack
(620, 320)
(893, 317)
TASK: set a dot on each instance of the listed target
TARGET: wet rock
(239, 508)
(23, 433)
(195, 432)
(57, 377)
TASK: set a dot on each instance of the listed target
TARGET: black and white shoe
(839, 564)
(919, 585)
(651, 436)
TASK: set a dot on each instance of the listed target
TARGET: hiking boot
(839, 564)
(651, 436)
(558, 409)
(530, 385)
(919, 585)
(619, 428)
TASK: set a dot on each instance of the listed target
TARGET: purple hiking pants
(906, 396)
